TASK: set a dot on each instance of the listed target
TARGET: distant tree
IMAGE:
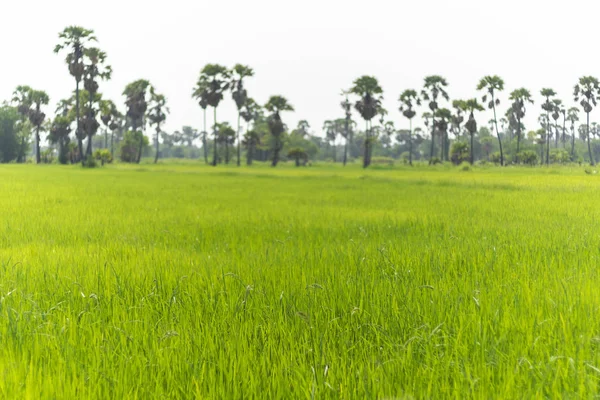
(9, 135)
(275, 106)
(409, 99)
(303, 128)
(460, 107)
(520, 98)
(94, 69)
(493, 85)
(434, 87)
(75, 39)
(472, 105)
(548, 107)
(137, 105)
(586, 92)
(240, 96)
(201, 94)
(188, 135)
(156, 116)
(22, 99)
(212, 83)
(330, 129)
(226, 136)
(37, 117)
(60, 129)
(557, 108)
(347, 107)
(368, 105)
(298, 154)
(110, 117)
(443, 117)
(251, 140)
(572, 117)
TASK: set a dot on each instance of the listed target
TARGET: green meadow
(186, 281)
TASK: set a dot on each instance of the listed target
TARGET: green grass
(183, 281)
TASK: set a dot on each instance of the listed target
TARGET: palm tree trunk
(472, 154)
(78, 129)
(564, 131)
(588, 140)
(410, 150)
(366, 149)
(227, 151)
(37, 145)
(204, 148)
(112, 148)
(239, 150)
(157, 144)
(518, 139)
(275, 152)
(572, 142)
(497, 132)
(139, 157)
(548, 138)
(105, 138)
(214, 163)
(432, 141)
(346, 126)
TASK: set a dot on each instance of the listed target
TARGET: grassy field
(182, 281)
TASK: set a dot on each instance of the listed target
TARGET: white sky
(307, 50)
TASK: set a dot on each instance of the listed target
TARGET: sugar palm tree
(493, 85)
(275, 106)
(330, 129)
(347, 107)
(251, 140)
(572, 117)
(37, 117)
(240, 96)
(59, 134)
(22, 99)
(110, 117)
(201, 94)
(212, 83)
(587, 92)
(368, 106)
(443, 117)
(226, 137)
(137, 105)
(548, 107)
(303, 128)
(460, 107)
(409, 99)
(75, 40)
(520, 98)
(157, 114)
(472, 105)
(557, 108)
(434, 88)
(94, 69)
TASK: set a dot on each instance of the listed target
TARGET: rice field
(185, 281)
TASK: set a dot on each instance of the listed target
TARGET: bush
(435, 161)
(103, 155)
(90, 162)
(495, 157)
(130, 146)
(379, 160)
(560, 156)
(528, 157)
(459, 152)
(464, 166)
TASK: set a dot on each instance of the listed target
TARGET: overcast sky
(307, 51)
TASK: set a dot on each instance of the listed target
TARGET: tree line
(451, 132)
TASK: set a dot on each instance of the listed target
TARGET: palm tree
(109, 117)
(251, 140)
(298, 154)
(303, 127)
(368, 105)
(329, 127)
(22, 99)
(201, 93)
(460, 107)
(157, 115)
(212, 83)
(443, 117)
(249, 113)
(586, 92)
(59, 134)
(519, 97)
(409, 99)
(548, 107)
(240, 95)
(275, 106)
(37, 117)
(471, 106)
(75, 39)
(557, 108)
(493, 84)
(572, 117)
(226, 136)
(433, 88)
(347, 107)
(137, 105)
(92, 71)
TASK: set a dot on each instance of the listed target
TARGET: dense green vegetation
(165, 281)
